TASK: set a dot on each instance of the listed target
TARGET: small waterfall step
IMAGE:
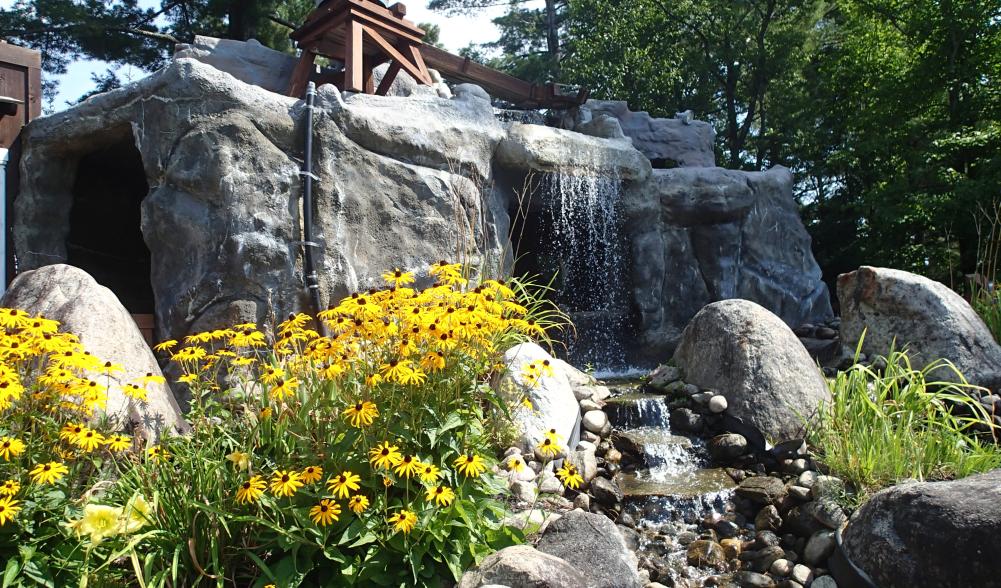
(636, 409)
(686, 485)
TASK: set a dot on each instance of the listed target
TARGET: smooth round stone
(613, 456)
(523, 491)
(589, 436)
(807, 479)
(801, 574)
(726, 529)
(702, 398)
(797, 466)
(512, 451)
(727, 446)
(781, 567)
(588, 405)
(586, 446)
(583, 502)
(747, 579)
(595, 420)
(705, 553)
(551, 485)
(799, 493)
(717, 404)
(819, 548)
(824, 582)
(732, 547)
(768, 519)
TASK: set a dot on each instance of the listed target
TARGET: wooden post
(300, 75)
(354, 58)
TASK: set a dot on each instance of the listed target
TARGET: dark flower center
(285, 478)
(358, 406)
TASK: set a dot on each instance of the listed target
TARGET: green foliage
(903, 423)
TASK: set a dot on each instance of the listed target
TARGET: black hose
(312, 282)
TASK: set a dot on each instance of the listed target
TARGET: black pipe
(312, 282)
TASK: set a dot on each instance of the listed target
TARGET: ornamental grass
(356, 448)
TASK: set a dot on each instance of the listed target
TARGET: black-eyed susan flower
(8, 508)
(516, 464)
(10, 488)
(555, 436)
(48, 473)
(89, 440)
(325, 513)
(118, 442)
(251, 490)
(10, 447)
(151, 378)
(284, 388)
(429, 473)
(403, 520)
(70, 431)
(385, 456)
(272, 374)
(158, 454)
(361, 413)
(470, 465)
(408, 466)
(397, 278)
(285, 483)
(343, 484)
(358, 503)
(311, 474)
(442, 495)
(165, 345)
(570, 475)
(134, 391)
(548, 448)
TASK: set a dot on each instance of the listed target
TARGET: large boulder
(521, 565)
(715, 233)
(93, 313)
(894, 307)
(554, 405)
(247, 61)
(930, 535)
(592, 542)
(756, 362)
(546, 149)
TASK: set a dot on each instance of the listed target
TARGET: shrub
(356, 449)
(882, 428)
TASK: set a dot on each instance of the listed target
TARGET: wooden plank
(368, 64)
(411, 68)
(415, 53)
(353, 56)
(300, 75)
(496, 83)
(14, 83)
(387, 80)
(27, 58)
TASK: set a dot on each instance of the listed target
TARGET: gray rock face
(921, 535)
(753, 359)
(719, 234)
(592, 542)
(670, 142)
(929, 318)
(222, 217)
(521, 565)
(248, 61)
(93, 313)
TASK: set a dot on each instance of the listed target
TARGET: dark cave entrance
(105, 236)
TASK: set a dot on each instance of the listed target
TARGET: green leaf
(11, 572)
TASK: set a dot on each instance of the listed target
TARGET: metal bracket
(309, 174)
(308, 244)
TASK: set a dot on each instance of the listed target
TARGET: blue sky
(456, 33)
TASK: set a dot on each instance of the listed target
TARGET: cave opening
(105, 235)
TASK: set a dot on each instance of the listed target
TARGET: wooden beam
(300, 75)
(353, 58)
(387, 80)
(411, 68)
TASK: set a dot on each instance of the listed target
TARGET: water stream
(672, 490)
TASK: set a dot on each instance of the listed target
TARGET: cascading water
(585, 250)
(671, 489)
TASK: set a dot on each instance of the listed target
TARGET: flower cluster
(100, 522)
(50, 388)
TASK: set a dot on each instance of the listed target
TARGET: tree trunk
(553, 38)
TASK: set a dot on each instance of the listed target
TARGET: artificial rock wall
(402, 182)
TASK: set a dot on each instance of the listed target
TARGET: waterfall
(585, 249)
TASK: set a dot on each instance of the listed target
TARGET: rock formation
(401, 181)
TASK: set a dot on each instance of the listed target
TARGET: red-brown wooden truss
(362, 34)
